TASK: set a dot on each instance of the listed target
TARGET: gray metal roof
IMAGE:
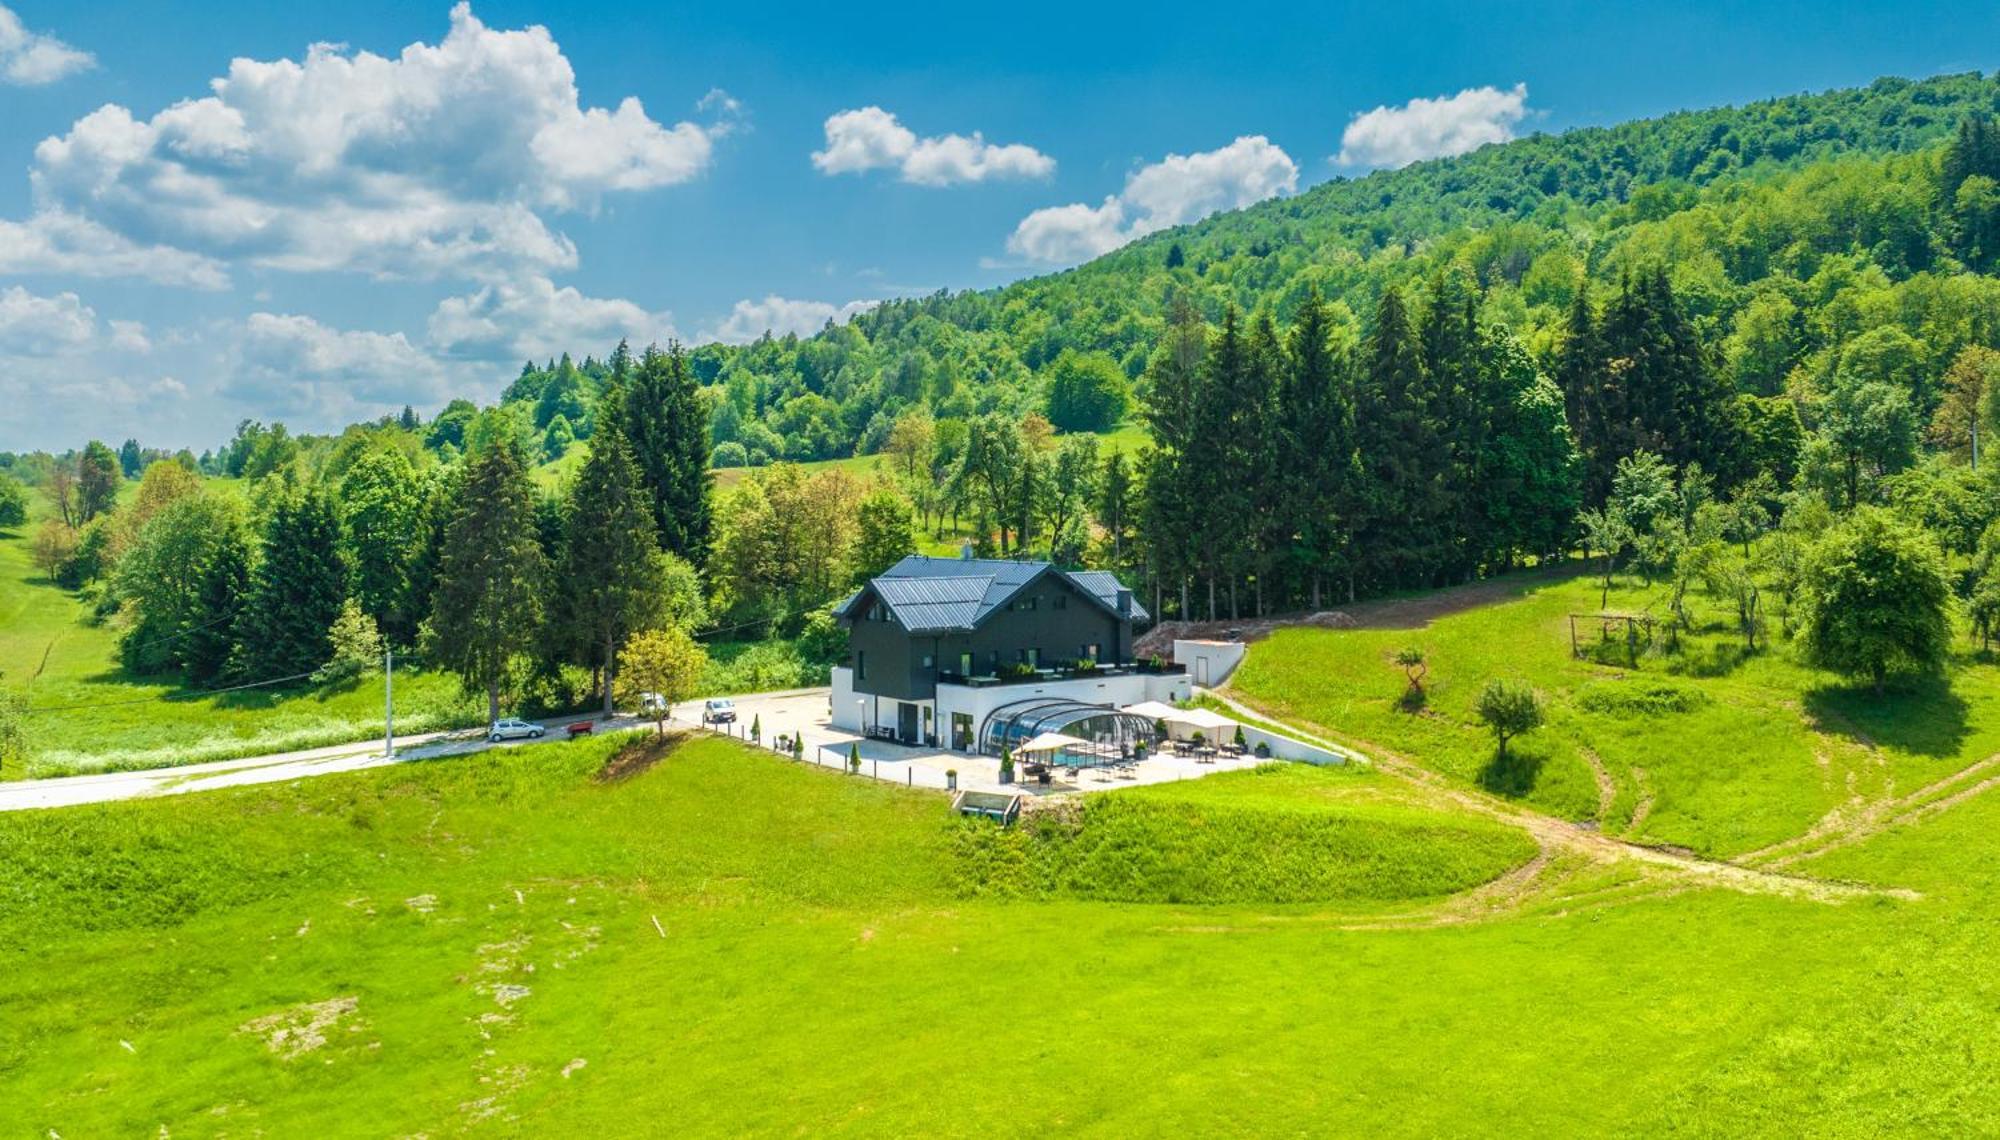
(929, 594)
(926, 604)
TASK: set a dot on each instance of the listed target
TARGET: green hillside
(1807, 219)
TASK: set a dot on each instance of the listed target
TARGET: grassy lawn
(470, 946)
(1712, 749)
(51, 650)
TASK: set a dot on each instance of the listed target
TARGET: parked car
(718, 710)
(513, 728)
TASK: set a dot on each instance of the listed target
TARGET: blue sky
(327, 234)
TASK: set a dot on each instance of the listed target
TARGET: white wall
(1209, 663)
(846, 714)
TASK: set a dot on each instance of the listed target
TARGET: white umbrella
(1051, 742)
(1201, 718)
(1153, 710)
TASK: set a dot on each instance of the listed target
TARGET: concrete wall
(1285, 748)
(1209, 662)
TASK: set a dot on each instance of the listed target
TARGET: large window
(860, 665)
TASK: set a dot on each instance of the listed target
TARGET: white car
(720, 710)
(513, 728)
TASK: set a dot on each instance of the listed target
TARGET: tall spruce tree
(1320, 478)
(1170, 505)
(1402, 451)
(610, 556)
(295, 590)
(205, 650)
(1457, 381)
(1590, 402)
(486, 608)
(666, 423)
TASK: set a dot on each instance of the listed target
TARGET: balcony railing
(1058, 672)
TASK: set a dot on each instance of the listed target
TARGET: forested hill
(1763, 209)
(1789, 228)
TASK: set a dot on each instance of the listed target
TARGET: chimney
(1124, 602)
(965, 551)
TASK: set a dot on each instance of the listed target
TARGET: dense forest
(1655, 343)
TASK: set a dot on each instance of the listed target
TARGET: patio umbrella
(1050, 742)
(1153, 710)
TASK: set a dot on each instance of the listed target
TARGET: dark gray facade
(973, 624)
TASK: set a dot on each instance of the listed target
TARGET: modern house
(973, 654)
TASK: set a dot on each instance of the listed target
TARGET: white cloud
(871, 138)
(31, 59)
(1433, 128)
(294, 366)
(56, 241)
(44, 326)
(130, 336)
(438, 162)
(534, 318)
(779, 316)
(1174, 191)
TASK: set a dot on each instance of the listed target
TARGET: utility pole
(388, 704)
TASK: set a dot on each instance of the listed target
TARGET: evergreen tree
(1320, 477)
(1591, 403)
(666, 423)
(1170, 505)
(486, 608)
(295, 590)
(1402, 454)
(610, 556)
(130, 460)
(206, 647)
(1458, 389)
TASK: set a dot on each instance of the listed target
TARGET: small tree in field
(1509, 708)
(663, 661)
(1415, 668)
(1877, 599)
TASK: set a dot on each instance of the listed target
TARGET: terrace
(1059, 671)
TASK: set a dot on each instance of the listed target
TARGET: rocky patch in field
(297, 1030)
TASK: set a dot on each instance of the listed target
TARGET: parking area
(806, 714)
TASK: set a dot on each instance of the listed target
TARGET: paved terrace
(806, 713)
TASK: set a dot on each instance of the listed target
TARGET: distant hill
(1798, 212)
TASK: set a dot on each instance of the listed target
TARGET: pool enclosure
(1112, 734)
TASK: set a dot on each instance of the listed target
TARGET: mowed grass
(1713, 749)
(1282, 833)
(97, 717)
(727, 944)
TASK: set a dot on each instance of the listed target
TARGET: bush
(13, 502)
(730, 453)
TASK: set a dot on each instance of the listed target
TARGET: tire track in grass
(1555, 835)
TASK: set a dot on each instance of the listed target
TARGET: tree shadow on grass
(1709, 659)
(1513, 774)
(1920, 714)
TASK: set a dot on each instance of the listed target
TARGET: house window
(1034, 658)
(929, 661)
(1061, 602)
(1090, 653)
(860, 665)
(965, 664)
(993, 660)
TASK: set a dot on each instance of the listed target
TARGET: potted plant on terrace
(1006, 765)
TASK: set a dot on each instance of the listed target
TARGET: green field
(470, 947)
(1710, 749)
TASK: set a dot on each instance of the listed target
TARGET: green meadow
(712, 941)
(1710, 748)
